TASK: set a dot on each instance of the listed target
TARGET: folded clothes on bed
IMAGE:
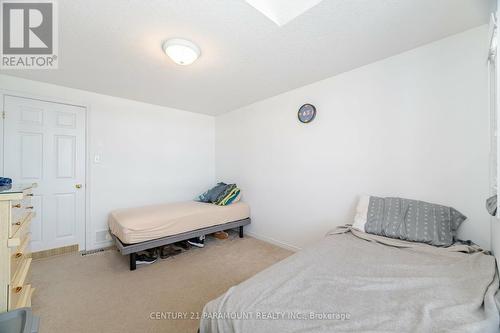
(221, 194)
(212, 194)
(230, 193)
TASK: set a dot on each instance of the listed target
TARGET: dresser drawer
(19, 291)
(21, 225)
(20, 208)
(23, 204)
(17, 255)
(18, 213)
(22, 298)
(18, 277)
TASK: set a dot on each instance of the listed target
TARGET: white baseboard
(274, 241)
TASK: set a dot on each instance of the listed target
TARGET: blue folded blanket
(5, 181)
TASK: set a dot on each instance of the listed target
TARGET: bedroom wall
(414, 125)
(149, 154)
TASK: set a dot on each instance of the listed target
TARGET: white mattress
(135, 225)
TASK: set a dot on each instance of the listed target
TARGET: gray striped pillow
(407, 219)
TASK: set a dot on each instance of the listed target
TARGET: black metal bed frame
(132, 249)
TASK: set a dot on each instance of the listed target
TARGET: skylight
(283, 11)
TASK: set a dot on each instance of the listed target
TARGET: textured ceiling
(114, 47)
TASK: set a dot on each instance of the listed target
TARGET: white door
(44, 143)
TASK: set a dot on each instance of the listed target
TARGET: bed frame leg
(241, 231)
(132, 261)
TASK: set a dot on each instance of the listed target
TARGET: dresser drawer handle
(18, 289)
(29, 207)
(29, 194)
(16, 206)
(18, 223)
(19, 254)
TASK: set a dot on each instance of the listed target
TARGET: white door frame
(86, 107)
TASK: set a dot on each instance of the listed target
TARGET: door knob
(78, 185)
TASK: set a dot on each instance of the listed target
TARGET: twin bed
(143, 228)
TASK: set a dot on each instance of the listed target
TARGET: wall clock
(306, 113)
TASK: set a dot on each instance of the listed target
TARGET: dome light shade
(181, 51)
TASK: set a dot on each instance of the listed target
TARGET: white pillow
(361, 213)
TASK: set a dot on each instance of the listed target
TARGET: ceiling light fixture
(181, 51)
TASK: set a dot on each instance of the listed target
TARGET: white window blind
(493, 74)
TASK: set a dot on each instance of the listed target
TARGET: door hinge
(3, 114)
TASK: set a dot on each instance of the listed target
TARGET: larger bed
(356, 282)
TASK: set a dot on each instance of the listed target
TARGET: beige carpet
(98, 293)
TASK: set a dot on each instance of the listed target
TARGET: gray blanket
(355, 282)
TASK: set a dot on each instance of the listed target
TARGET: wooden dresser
(16, 213)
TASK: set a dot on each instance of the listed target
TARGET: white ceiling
(114, 46)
